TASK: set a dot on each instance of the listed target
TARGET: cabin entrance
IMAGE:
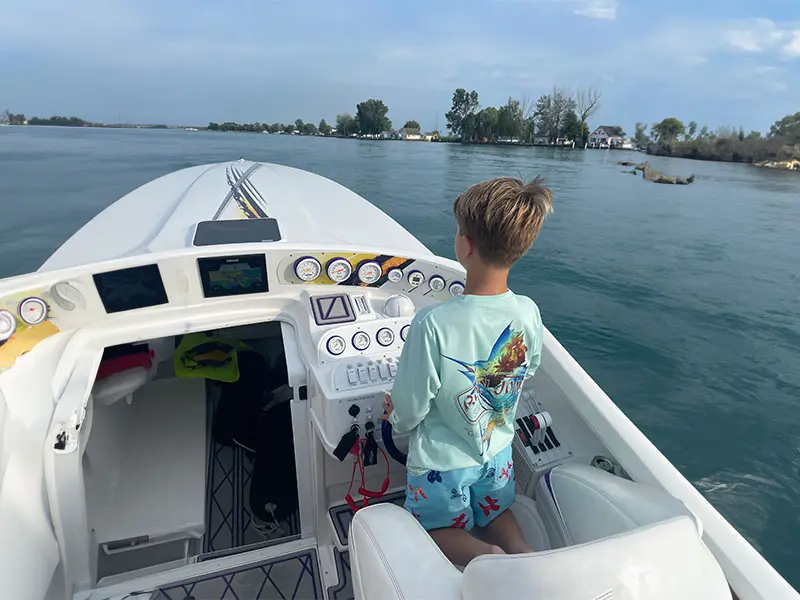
(189, 451)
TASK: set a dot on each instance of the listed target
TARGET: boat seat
(579, 503)
(392, 558)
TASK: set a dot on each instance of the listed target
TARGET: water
(680, 301)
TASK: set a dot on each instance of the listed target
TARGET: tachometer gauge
(339, 269)
(307, 268)
(394, 275)
(361, 341)
(385, 336)
(32, 310)
(336, 345)
(456, 288)
(404, 332)
(436, 283)
(369, 272)
(416, 278)
(8, 325)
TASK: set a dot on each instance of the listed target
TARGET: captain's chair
(392, 557)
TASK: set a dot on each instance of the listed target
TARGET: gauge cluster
(378, 337)
(409, 276)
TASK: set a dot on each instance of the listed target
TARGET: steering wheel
(388, 441)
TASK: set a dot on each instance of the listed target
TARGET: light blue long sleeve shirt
(460, 376)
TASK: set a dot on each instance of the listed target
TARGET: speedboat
(190, 405)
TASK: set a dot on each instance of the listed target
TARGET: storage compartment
(160, 489)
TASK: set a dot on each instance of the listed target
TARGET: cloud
(599, 9)
(761, 35)
(792, 49)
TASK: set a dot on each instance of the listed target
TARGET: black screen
(236, 231)
(233, 275)
(129, 289)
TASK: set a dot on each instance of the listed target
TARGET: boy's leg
(439, 500)
(460, 547)
(492, 496)
(504, 531)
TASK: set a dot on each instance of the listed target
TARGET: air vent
(360, 303)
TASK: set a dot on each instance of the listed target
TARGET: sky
(188, 62)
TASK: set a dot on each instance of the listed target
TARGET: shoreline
(792, 165)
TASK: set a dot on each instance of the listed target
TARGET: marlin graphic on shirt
(494, 383)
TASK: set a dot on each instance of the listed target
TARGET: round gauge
(395, 275)
(339, 270)
(416, 278)
(404, 332)
(32, 310)
(369, 272)
(8, 325)
(336, 345)
(361, 341)
(456, 288)
(436, 283)
(385, 336)
(307, 268)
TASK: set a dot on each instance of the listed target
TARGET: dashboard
(352, 310)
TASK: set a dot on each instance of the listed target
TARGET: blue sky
(719, 62)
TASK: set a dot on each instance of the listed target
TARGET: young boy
(460, 376)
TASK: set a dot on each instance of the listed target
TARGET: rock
(627, 163)
(650, 174)
(785, 165)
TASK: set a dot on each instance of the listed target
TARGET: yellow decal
(24, 340)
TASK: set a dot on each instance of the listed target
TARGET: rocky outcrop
(650, 174)
(785, 165)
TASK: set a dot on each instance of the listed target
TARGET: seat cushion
(663, 561)
(392, 558)
(580, 503)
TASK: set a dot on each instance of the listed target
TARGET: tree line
(670, 137)
(371, 118)
(559, 114)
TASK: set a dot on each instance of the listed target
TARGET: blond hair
(503, 217)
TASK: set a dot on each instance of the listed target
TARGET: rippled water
(682, 302)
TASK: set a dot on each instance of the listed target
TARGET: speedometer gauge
(8, 325)
(307, 268)
(361, 341)
(436, 283)
(336, 345)
(33, 310)
(385, 336)
(369, 272)
(394, 275)
(339, 270)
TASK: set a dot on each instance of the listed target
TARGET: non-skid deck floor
(229, 521)
(290, 577)
(342, 514)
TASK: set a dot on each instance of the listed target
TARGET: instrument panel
(36, 306)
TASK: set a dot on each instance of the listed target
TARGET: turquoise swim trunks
(462, 497)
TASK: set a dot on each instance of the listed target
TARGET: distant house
(410, 134)
(605, 136)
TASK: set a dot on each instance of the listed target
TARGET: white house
(605, 136)
(411, 134)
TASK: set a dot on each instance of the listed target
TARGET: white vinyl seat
(611, 538)
(579, 503)
(393, 558)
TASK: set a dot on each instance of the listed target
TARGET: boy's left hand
(388, 407)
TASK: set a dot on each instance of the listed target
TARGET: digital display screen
(332, 309)
(236, 231)
(129, 289)
(233, 275)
